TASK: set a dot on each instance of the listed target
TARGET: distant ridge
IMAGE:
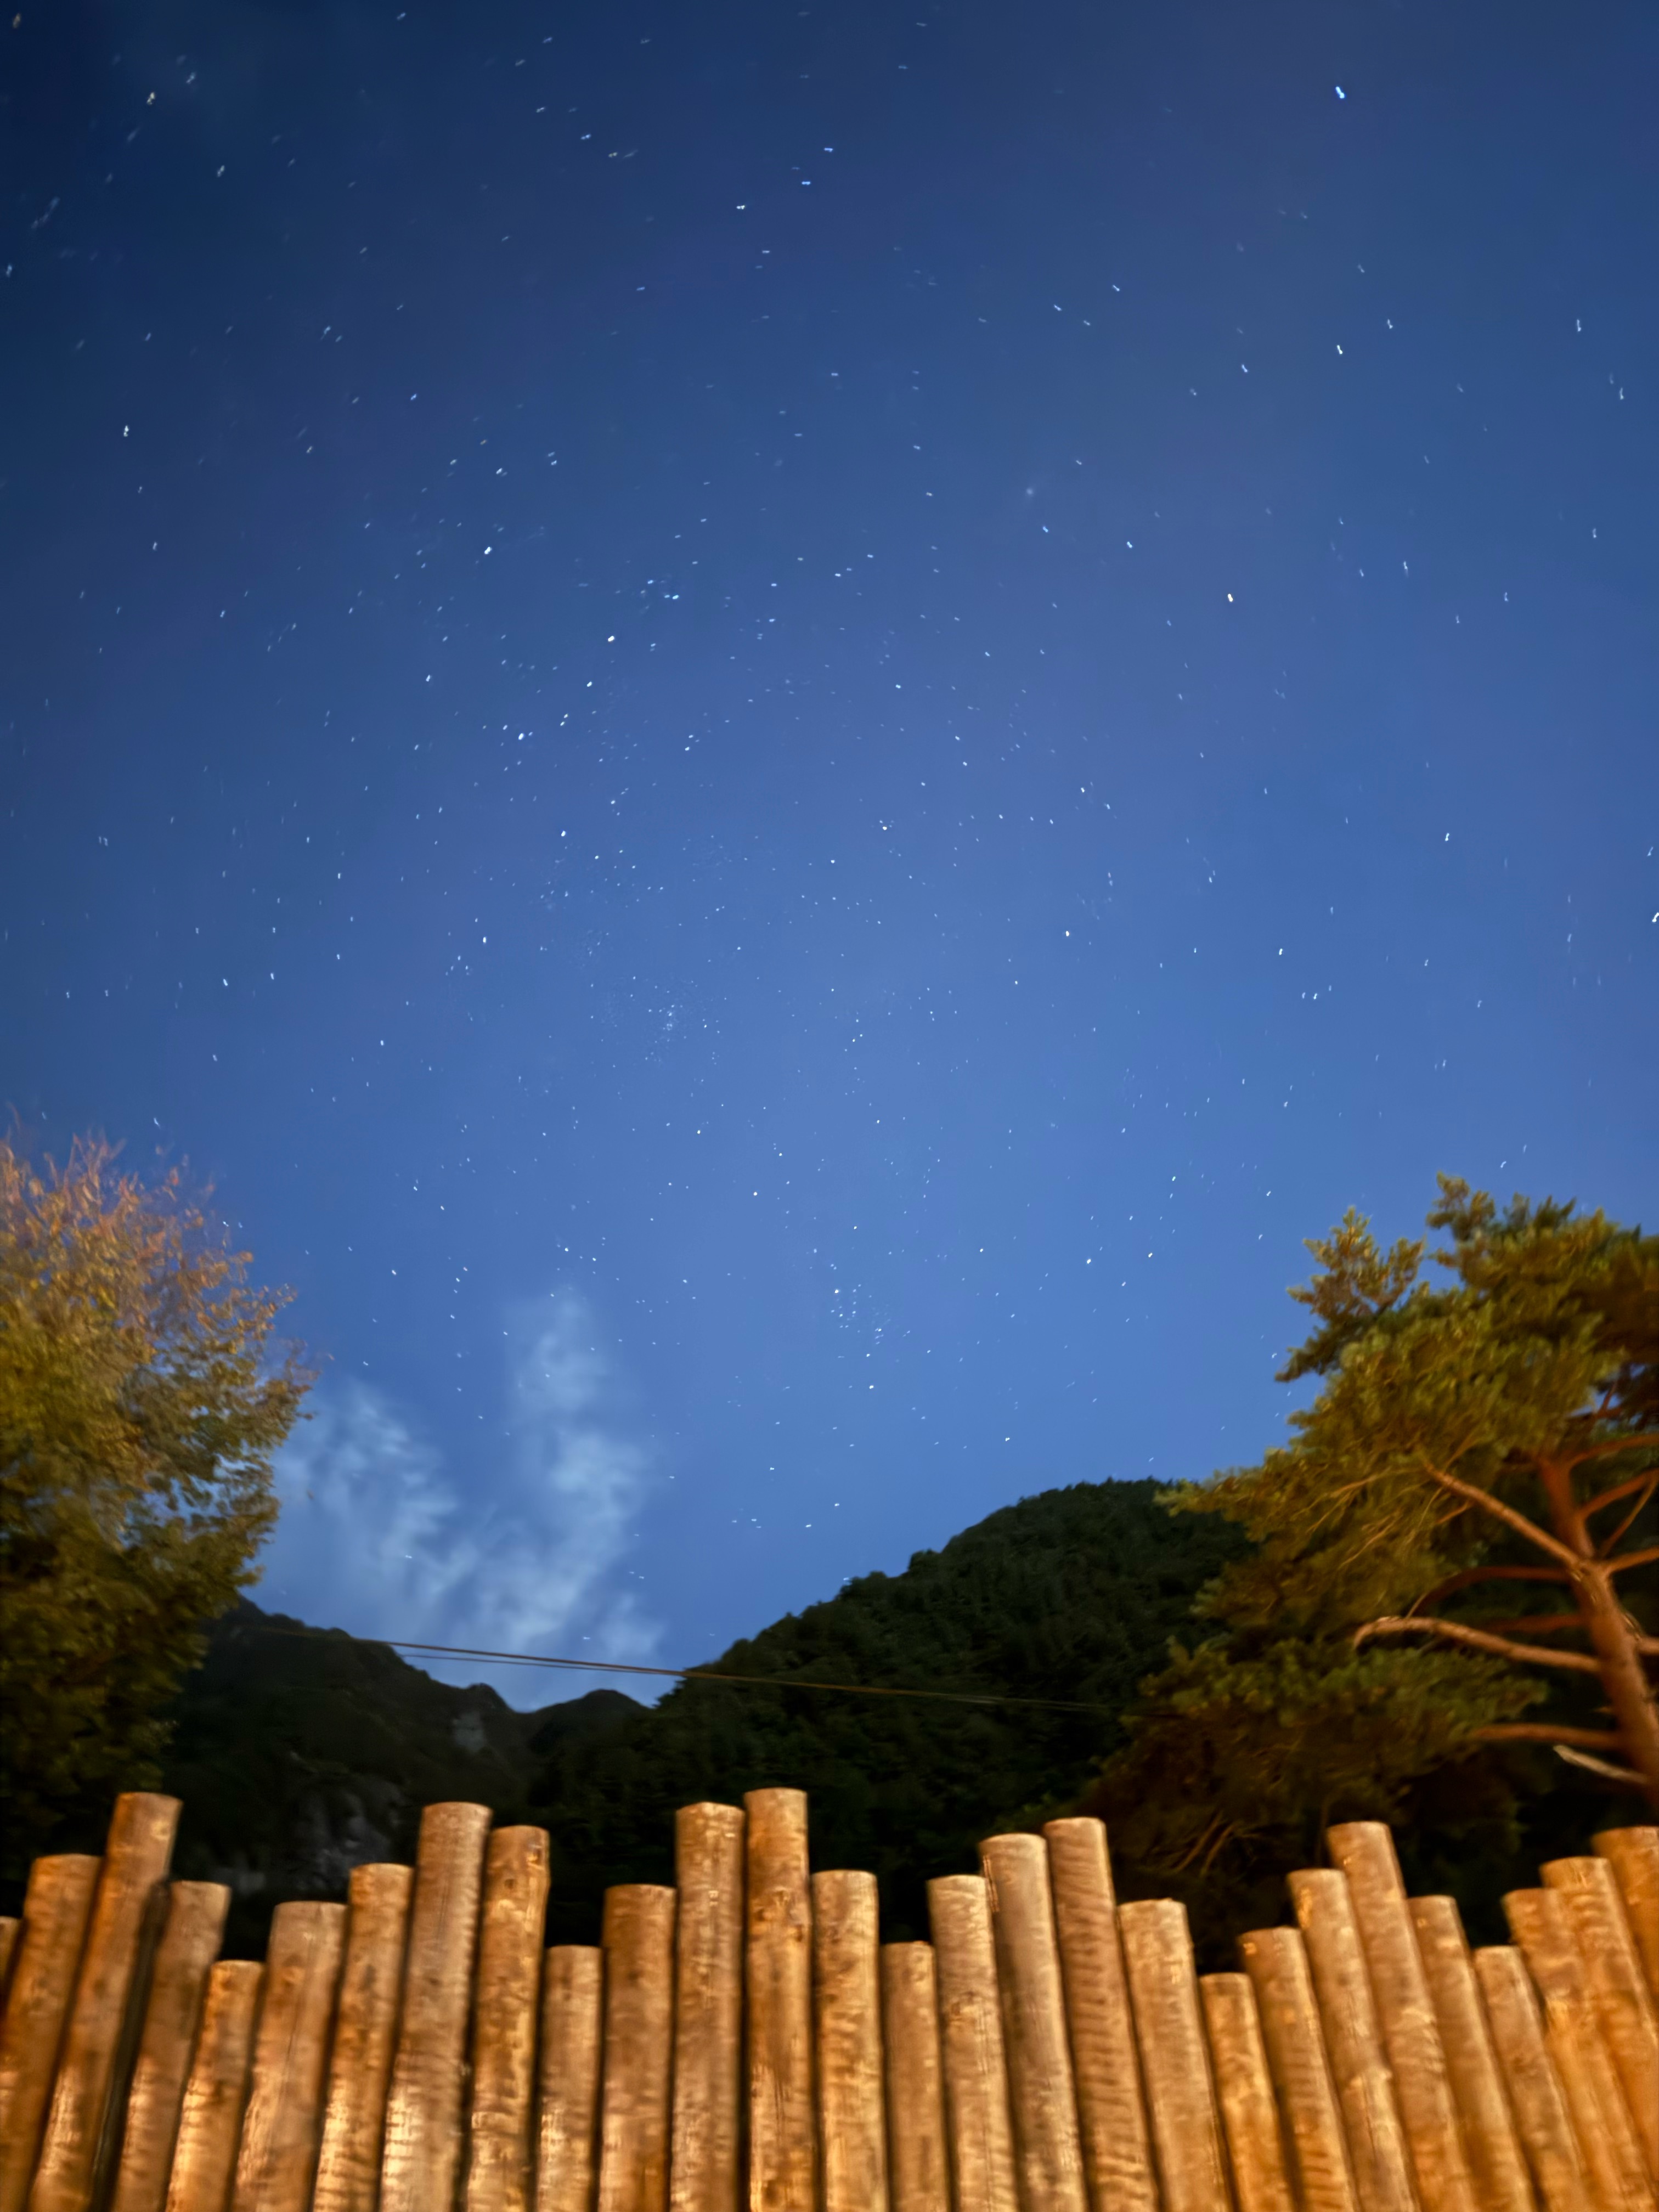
(302, 1755)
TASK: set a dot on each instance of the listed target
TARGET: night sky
(784, 730)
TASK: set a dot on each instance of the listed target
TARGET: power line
(694, 1673)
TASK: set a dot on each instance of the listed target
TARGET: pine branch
(1518, 1522)
(1547, 1732)
(1475, 1639)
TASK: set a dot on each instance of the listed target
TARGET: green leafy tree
(141, 1401)
(1458, 1534)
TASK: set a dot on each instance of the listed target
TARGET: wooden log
(419, 2165)
(1633, 1855)
(505, 2003)
(189, 1945)
(979, 2121)
(1602, 2120)
(847, 2020)
(365, 2026)
(136, 1858)
(282, 2126)
(215, 2095)
(638, 1939)
(1542, 2119)
(918, 2154)
(1496, 2158)
(1276, 1961)
(1117, 2149)
(567, 2089)
(1174, 2057)
(1380, 2162)
(1618, 1988)
(778, 1981)
(56, 1907)
(1047, 2146)
(705, 2169)
(1244, 2090)
(1363, 1850)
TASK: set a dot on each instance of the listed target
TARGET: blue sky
(784, 732)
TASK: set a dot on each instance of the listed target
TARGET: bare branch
(1632, 1560)
(1469, 1577)
(1608, 1543)
(1518, 1522)
(1547, 1732)
(1631, 1484)
(1476, 1639)
(1620, 1774)
(1534, 1623)
(1610, 1447)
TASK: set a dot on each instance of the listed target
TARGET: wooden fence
(745, 2038)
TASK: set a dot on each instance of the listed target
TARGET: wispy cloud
(379, 1535)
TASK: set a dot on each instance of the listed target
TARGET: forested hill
(1073, 1594)
(299, 1754)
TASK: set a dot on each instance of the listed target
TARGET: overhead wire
(694, 1673)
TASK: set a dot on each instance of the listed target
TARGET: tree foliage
(1452, 1557)
(141, 1401)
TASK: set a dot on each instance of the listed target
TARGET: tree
(1476, 1445)
(141, 1401)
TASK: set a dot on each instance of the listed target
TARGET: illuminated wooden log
(1047, 2144)
(56, 1908)
(1117, 2149)
(1601, 2117)
(1633, 1855)
(1244, 2090)
(419, 2165)
(282, 2127)
(1619, 1990)
(505, 2001)
(567, 2089)
(1380, 2162)
(1174, 2058)
(1542, 2118)
(136, 1860)
(1496, 2158)
(778, 1982)
(918, 2156)
(704, 2167)
(638, 1939)
(1363, 1850)
(190, 1941)
(1276, 1961)
(847, 2016)
(364, 2024)
(978, 2118)
(215, 2095)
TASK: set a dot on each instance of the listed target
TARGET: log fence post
(704, 2169)
(365, 2028)
(918, 2154)
(189, 1940)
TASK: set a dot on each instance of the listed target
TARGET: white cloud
(378, 1537)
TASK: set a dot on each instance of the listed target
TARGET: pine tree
(1460, 1532)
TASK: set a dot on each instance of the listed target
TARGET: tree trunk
(1613, 1639)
